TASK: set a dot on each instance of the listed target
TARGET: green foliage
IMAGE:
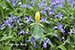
(10, 39)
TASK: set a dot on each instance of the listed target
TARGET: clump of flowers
(37, 25)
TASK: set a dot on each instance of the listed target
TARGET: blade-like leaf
(62, 47)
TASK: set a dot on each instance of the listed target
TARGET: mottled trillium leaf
(37, 32)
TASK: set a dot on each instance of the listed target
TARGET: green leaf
(74, 12)
(62, 47)
(6, 38)
(6, 48)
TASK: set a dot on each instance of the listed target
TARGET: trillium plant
(37, 24)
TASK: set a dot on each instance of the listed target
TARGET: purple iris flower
(51, 12)
(15, 19)
(71, 2)
(74, 30)
(46, 7)
(53, 2)
(32, 39)
(56, 3)
(8, 22)
(48, 40)
(62, 30)
(59, 27)
(43, 12)
(61, 3)
(21, 32)
(59, 15)
(42, 3)
(45, 45)
(10, 19)
(19, 21)
(33, 1)
(10, 26)
(14, 2)
(33, 42)
(29, 19)
(44, 20)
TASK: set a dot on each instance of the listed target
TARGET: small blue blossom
(74, 30)
(59, 15)
(8, 23)
(44, 19)
(14, 2)
(51, 12)
(53, 2)
(45, 42)
(33, 1)
(21, 32)
(43, 12)
(45, 45)
(32, 39)
(59, 27)
(19, 22)
(56, 3)
(71, 2)
(46, 7)
(10, 19)
(48, 40)
(33, 42)
(62, 30)
(41, 4)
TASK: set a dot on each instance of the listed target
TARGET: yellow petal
(37, 17)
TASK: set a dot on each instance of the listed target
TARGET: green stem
(2, 13)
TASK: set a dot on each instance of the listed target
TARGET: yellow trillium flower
(37, 17)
